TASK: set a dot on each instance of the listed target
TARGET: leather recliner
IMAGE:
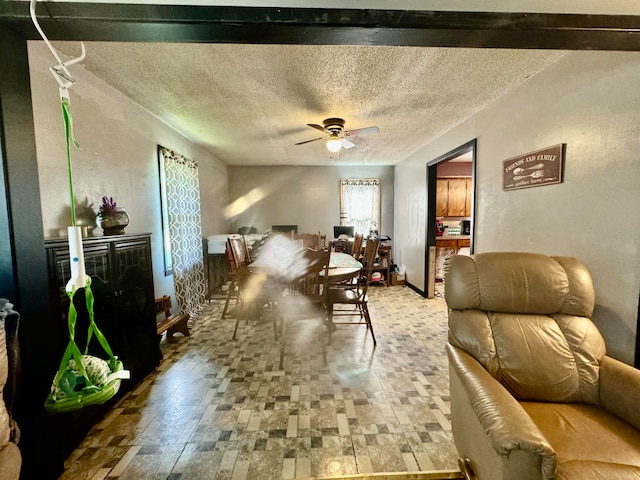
(533, 393)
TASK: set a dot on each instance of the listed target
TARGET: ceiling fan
(335, 138)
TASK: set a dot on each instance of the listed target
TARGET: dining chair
(341, 244)
(357, 245)
(248, 286)
(304, 297)
(232, 291)
(356, 298)
(322, 240)
(308, 240)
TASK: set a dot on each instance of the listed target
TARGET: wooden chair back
(309, 240)
(322, 243)
(368, 262)
(313, 282)
(370, 252)
(239, 252)
(357, 246)
(305, 297)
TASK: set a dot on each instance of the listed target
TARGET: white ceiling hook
(59, 71)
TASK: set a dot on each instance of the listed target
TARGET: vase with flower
(111, 218)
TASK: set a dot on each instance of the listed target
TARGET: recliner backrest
(526, 318)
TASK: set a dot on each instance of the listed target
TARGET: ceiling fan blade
(347, 144)
(317, 127)
(308, 141)
(361, 131)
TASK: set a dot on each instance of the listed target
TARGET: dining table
(279, 262)
(342, 266)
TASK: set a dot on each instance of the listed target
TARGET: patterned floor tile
(220, 409)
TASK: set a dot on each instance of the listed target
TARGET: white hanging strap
(59, 71)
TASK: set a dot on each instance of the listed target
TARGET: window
(360, 204)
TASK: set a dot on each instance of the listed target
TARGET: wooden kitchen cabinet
(469, 194)
(442, 197)
(457, 200)
(446, 243)
(453, 197)
(453, 243)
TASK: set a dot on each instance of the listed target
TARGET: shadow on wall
(610, 325)
(85, 217)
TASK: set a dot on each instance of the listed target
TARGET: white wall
(117, 157)
(305, 196)
(591, 102)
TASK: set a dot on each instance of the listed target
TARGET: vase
(113, 222)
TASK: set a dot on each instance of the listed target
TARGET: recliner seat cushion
(588, 441)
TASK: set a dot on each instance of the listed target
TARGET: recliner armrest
(503, 419)
(620, 390)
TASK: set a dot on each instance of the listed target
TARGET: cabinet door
(469, 189)
(134, 311)
(457, 197)
(442, 198)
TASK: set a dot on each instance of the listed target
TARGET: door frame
(432, 175)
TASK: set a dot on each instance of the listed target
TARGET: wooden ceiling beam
(316, 26)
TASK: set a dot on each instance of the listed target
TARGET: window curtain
(182, 209)
(360, 204)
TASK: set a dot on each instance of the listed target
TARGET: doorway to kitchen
(450, 209)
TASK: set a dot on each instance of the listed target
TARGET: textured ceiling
(249, 104)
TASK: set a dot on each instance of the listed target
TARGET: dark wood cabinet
(122, 284)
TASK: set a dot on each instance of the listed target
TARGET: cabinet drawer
(464, 243)
(446, 243)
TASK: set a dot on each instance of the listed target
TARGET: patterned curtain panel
(360, 204)
(182, 205)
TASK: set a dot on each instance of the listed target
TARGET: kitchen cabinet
(442, 197)
(454, 243)
(453, 197)
(122, 284)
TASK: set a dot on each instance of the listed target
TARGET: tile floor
(219, 409)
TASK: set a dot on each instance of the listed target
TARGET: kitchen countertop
(453, 237)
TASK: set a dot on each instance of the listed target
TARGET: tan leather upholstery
(10, 457)
(529, 372)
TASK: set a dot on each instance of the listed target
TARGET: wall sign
(534, 169)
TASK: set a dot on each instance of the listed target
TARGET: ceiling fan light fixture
(334, 144)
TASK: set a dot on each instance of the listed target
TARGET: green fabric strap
(72, 350)
(68, 130)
